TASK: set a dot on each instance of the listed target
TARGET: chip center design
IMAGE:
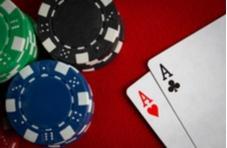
(50, 109)
(77, 23)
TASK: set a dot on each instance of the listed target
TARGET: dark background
(150, 27)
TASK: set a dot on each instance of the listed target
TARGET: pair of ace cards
(183, 96)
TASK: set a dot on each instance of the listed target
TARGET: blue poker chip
(48, 102)
(82, 131)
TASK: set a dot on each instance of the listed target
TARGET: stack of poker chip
(17, 40)
(84, 33)
(50, 103)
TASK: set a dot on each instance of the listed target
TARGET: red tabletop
(150, 27)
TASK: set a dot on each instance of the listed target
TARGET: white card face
(149, 100)
(191, 75)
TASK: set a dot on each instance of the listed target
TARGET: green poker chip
(14, 49)
(4, 33)
(18, 41)
(28, 57)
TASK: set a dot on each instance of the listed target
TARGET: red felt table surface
(150, 27)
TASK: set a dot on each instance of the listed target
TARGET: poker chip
(30, 53)
(86, 126)
(84, 129)
(18, 43)
(78, 32)
(15, 35)
(49, 102)
(92, 66)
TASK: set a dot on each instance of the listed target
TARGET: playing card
(191, 74)
(149, 100)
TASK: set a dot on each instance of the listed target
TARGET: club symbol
(173, 86)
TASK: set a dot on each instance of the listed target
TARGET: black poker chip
(78, 32)
(105, 59)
